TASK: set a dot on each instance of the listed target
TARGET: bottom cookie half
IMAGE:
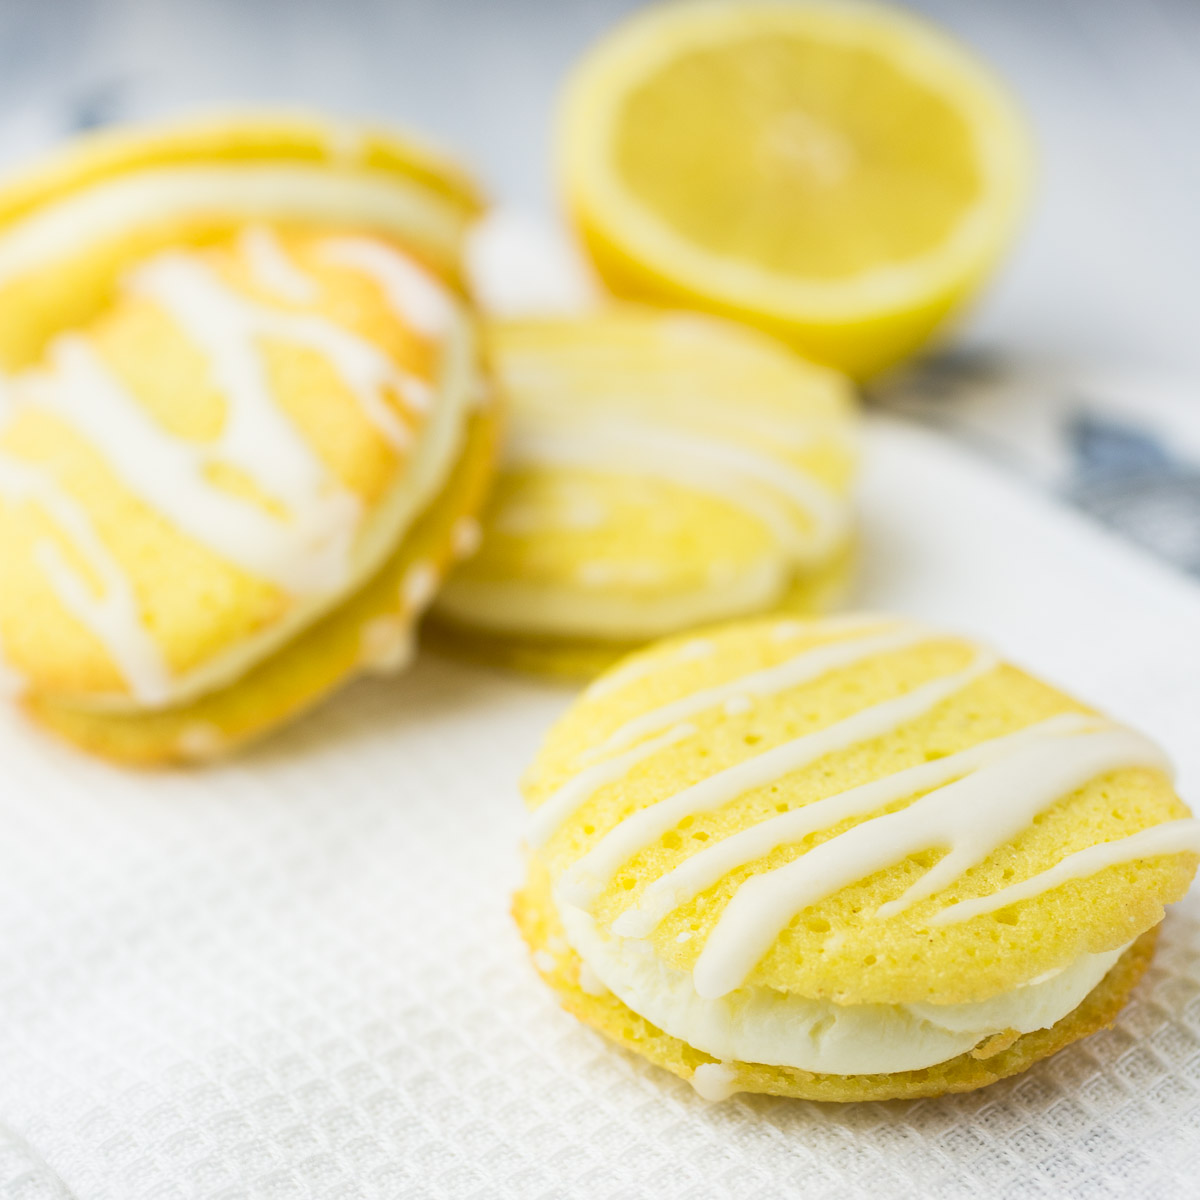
(560, 966)
(340, 645)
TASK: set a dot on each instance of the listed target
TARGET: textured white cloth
(295, 975)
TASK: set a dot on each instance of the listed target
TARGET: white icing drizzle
(307, 554)
(114, 617)
(578, 790)
(588, 875)
(793, 627)
(786, 630)
(417, 297)
(793, 672)
(757, 483)
(603, 574)
(678, 387)
(271, 267)
(970, 817)
(575, 509)
(1171, 837)
(293, 191)
(482, 395)
(650, 664)
(646, 665)
(308, 551)
(630, 672)
(227, 326)
(967, 805)
(701, 871)
(789, 434)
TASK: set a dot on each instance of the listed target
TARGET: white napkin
(295, 975)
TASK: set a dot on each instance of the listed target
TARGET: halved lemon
(843, 175)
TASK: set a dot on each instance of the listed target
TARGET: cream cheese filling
(518, 607)
(762, 1025)
(433, 458)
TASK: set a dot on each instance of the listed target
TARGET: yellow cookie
(663, 471)
(845, 859)
(240, 477)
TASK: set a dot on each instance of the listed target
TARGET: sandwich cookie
(662, 471)
(844, 860)
(238, 477)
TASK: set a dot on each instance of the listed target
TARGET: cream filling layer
(374, 199)
(516, 607)
(433, 458)
(762, 1025)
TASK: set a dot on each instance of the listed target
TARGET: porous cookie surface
(243, 393)
(371, 630)
(564, 971)
(230, 449)
(856, 810)
(663, 470)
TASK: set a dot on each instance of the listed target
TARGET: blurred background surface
(1105, 274)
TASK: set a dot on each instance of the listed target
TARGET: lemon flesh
(841, 175)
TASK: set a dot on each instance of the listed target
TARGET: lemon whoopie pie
(662, 470)
(244, 424)
(843, 860)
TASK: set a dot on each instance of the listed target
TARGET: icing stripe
(113, 617)
(308, 551)
(227, 327)
(971, 817)
(650, 378)
(650, 664)
(307, 554)
(579, 790)
(793, 672)
(588, 876)
(753, 481)
(641, 391)
(1171, 837)
(577, 508)
(647, 665)
(416, 297)
(244, 192)
(701, 871)
(271, 267)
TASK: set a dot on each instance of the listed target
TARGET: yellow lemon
(842, 175)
